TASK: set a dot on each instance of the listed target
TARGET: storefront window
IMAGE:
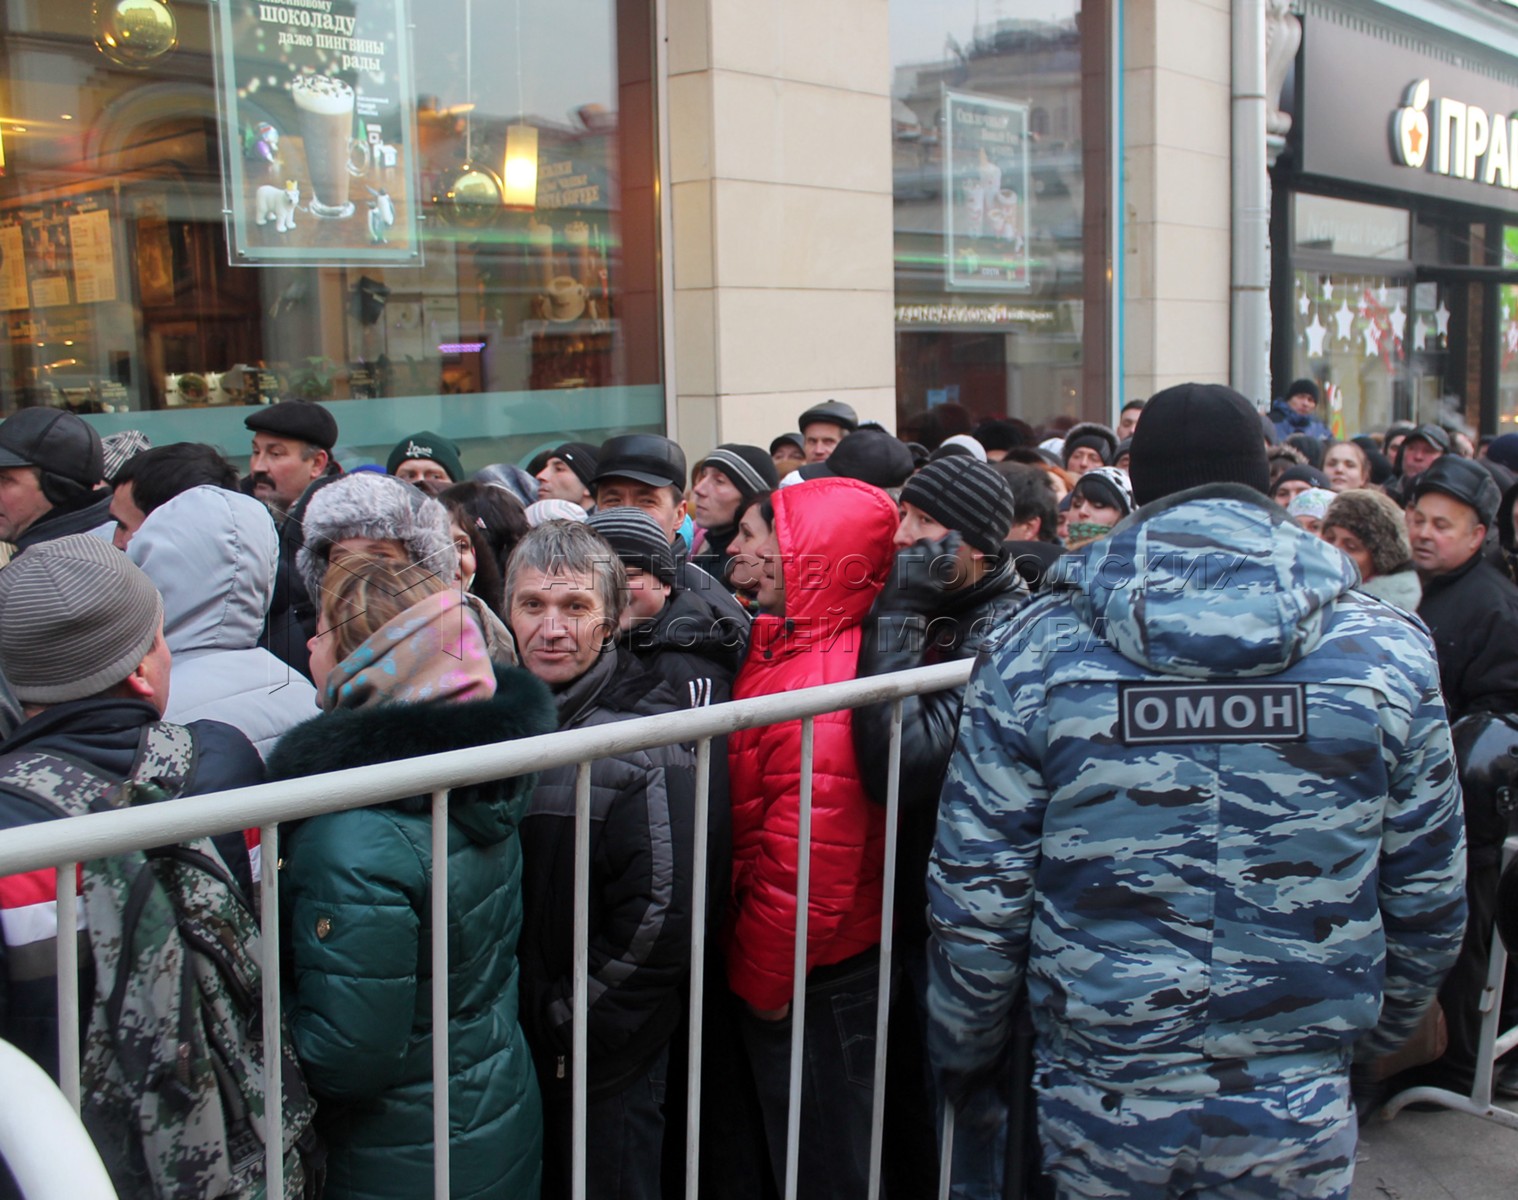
(992, 116)
(1507, 323)
(433, 216)
(1354, 335)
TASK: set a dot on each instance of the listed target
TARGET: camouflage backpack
(172, 1067)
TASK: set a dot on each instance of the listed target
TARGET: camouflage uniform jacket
(1191, 883)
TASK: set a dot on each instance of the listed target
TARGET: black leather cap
(52, 440)
(1463, 480)
(645, 457)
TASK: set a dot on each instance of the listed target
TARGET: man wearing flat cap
(824, 425)
(291, 459)
(51, 467)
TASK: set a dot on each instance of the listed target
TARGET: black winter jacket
(1472, 612)
(291, 622)
(641, 852)
(62, 522)
(106, 734)
(897, 640)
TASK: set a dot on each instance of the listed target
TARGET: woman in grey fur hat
(1369, 528)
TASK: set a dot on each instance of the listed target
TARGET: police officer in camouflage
(1204, 804)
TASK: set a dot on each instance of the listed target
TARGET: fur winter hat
(1376, 522)
(381, 507)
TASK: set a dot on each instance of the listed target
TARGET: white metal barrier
(41, 1137)
(64, 844)
(1491, 1045)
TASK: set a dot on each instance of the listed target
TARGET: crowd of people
(1198, 811)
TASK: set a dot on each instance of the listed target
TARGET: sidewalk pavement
(1436, 1156)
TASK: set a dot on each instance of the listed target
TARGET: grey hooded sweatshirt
(212, 554)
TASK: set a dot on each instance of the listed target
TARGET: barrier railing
(63, 844)
(1492, 1043)
(41, 1138)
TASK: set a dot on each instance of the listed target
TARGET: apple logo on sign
(1410, 126)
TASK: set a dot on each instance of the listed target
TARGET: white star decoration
(1344, 318)
(1441, 317)
(1372, 340)
(1328, 289)
(1398, 320)
(1303, 304)
(1315, 333)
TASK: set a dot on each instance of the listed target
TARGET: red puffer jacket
(835, 543)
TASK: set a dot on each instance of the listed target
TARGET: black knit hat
(639, 541)
(1092, 436)
(1193, 434)
(1304, 387)
(748, 468)
(579, 457)
(299, 419)
(966, 495)
(1301, 474)
(876, 458)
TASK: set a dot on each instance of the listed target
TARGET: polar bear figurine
(278, 206)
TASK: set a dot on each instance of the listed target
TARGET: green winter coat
(356, 919)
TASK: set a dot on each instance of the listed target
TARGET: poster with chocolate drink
(986, 194)
(319, 132)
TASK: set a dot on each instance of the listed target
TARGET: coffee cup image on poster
(319, 131)
(986, 193)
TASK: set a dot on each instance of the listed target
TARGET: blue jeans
(624, 1141)
(838, 1065)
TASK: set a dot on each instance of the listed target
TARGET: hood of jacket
(1401, 588)
(691, 625)
(212, 553)
(361, 737)
(836, 549)
(1215, 580)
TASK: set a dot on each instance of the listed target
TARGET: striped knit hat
(967, 495)
(76, 617)
(639, 541)
(748, 468)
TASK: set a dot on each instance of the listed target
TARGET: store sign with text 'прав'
(1390, 114)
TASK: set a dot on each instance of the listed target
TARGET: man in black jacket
(566, 596)
(953, 584)
(1471, 608)
(81, 640)
(50, 477)
(291, 460)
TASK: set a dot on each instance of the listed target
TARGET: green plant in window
(315, 380)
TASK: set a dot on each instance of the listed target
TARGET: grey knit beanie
(1376, 521)
(367, 505)
(76, 617)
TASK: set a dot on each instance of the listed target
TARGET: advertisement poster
(12, 267)
(94, 257)
(986, 194)
(318, 117)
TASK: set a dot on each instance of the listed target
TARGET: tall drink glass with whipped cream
(325, 105)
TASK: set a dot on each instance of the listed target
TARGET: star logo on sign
(1415, 139)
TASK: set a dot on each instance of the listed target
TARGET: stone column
(780, 147)
(1178, 218)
